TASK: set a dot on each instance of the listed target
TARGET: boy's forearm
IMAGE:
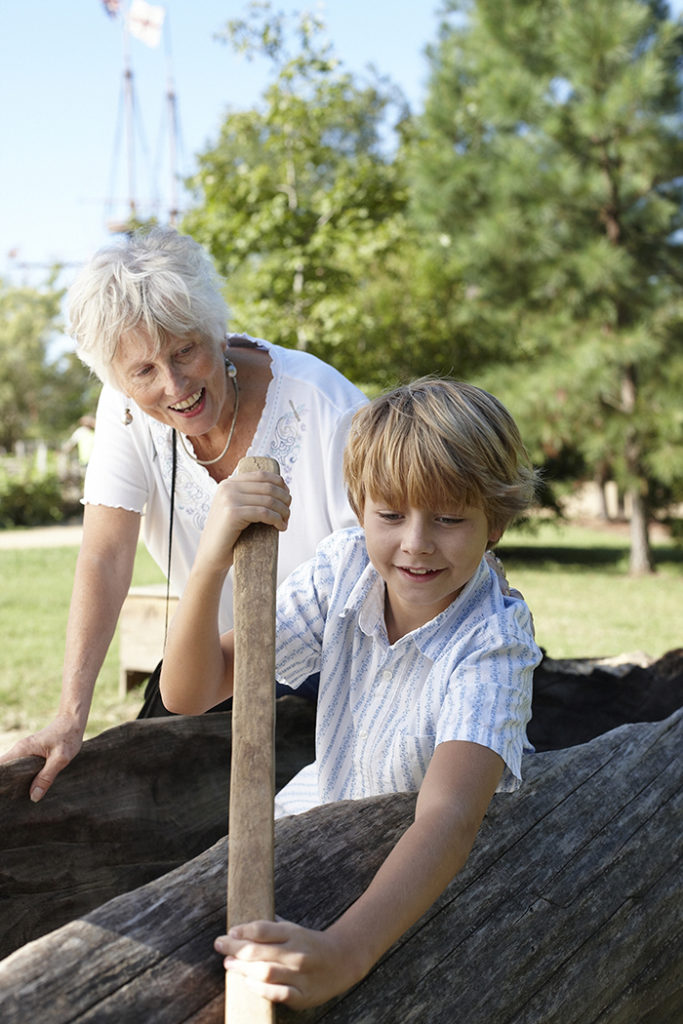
(421, 865)
(194, 674)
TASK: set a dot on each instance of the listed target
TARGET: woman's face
(183, 384)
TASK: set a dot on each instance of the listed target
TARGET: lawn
(574, 579)
(34, 602)
(584, 603)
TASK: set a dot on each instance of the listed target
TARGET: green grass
(583, 601)
(34, 604)
(574, 579)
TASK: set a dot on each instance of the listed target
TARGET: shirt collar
(367, 600)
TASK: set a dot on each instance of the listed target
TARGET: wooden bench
(142, 625)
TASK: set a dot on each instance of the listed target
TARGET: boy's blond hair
(439, 444)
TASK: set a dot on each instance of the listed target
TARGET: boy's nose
(417, 537)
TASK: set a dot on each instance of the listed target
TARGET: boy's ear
(494, 536)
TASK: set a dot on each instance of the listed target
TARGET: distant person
(182, 402)
(425, 665)
(83, 439)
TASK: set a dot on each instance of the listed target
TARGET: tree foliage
(300, 204)
(40, 396)
(547, 175)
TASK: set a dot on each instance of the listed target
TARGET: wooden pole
(252, 777)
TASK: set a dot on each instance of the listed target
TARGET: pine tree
(548, 175)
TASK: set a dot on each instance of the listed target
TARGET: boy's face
(425, 557)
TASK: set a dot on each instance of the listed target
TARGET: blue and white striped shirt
(383, 709)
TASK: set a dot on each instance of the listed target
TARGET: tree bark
(640, 559)
(137, 801)
(568, 910)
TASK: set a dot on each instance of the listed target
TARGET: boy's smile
(425, 558)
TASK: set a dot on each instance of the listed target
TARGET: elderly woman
(182, 403)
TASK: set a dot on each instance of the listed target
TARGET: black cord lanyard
(170, 536)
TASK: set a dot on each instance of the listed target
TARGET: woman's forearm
(103, 573)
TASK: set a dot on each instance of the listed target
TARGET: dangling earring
(127, 417)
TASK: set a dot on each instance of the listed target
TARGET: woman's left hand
(286, 963)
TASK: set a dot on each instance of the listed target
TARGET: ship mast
(131, 116)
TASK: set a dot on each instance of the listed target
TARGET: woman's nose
(173, 379)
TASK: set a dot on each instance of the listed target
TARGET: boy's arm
(285, 962)
(196, 672)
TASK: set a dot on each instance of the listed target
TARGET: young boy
(425, 664)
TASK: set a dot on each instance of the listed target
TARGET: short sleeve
(116, 475)
(488, 700)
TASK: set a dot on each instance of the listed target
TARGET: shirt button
(363, 734)
(386, 674)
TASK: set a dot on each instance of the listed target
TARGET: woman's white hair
(158, 282)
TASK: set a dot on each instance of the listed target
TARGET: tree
(39, 396)
(298, 202)
(548, 175)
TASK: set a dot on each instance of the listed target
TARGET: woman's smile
(181, 383)
(191, 404)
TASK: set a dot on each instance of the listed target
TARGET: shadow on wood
(567, 910)
(138, 801)
(574, 701)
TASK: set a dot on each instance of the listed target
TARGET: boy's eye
(390, 517)
(450, 520)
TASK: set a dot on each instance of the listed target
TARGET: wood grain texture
(136, 802)
(252, 790)
(567, 911)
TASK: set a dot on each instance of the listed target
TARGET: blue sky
(61, 73)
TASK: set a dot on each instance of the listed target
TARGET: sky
(62, 141)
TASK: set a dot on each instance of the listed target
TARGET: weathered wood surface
(251, 868)
(577, 700)
(145, 797)
(138, 801)
(569, 910)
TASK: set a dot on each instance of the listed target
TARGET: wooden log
(576, 700)
(137, 801)
(143, 798)
(568, 910)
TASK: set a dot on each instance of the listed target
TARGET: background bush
(31, 500)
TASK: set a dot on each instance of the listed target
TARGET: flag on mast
(145, 22)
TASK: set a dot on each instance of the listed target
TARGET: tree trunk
(567, 910)
(640, 560)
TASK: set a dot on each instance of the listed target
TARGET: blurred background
(489, 189)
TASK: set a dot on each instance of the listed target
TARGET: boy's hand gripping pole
(252, 775)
